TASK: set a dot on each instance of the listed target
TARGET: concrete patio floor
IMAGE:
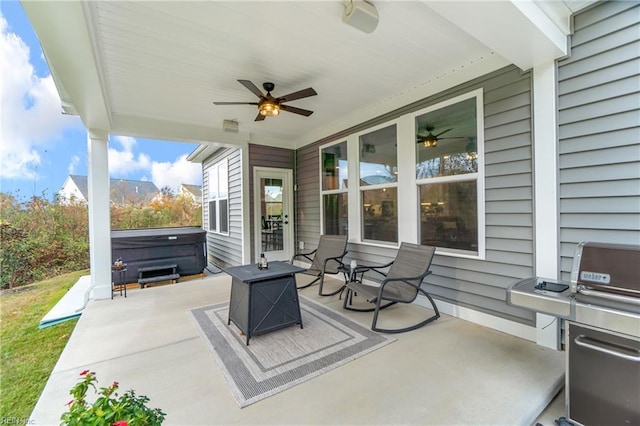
(148, 343)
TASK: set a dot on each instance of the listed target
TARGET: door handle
(603, 347)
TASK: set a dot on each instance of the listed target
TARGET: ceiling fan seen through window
(430, 140)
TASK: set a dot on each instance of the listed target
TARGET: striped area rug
(279, 360)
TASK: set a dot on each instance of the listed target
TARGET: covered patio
(155, 69)
(450, 372)
(536, 76)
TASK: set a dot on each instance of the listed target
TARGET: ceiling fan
(270, 105)
(430, 140)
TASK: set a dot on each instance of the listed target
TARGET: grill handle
(617, 297)
(598, 346)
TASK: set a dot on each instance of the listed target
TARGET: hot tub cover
(184, 246)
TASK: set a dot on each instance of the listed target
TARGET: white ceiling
(153, 69)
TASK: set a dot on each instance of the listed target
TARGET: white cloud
(125, 162)
(176, 173)
(31, 118)
(126, 142)
(75, 160)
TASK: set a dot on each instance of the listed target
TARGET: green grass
(29, 354)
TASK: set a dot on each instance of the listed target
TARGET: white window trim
(407, 184)
(478, 177)
(215, 168)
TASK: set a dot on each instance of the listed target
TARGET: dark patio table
(264, 300)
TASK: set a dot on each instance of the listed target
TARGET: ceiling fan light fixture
(269, 108)
(430, 143)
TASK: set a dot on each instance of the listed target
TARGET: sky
(40, 147)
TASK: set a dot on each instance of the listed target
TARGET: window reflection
(378, 157)
(449, 216)
(447, 174)
(379, 167)
(449, 164)
(447, 141)
(336, 210)
(380, 214)
(334, 167)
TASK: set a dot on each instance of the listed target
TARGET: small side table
(351, 275)
(119, 284)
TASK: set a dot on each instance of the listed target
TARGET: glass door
(273, 213)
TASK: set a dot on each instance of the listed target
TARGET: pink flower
(69, 403)
(84, 373)
(115, 384)
(120, 423)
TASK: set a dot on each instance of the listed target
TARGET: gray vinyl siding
(477, 284)
(599, 130)
(307, 197)
(265, 156)
(225, 250)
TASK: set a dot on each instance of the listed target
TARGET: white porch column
(545, 154)
(99, 215)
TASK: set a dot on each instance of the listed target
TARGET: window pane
(336, 212)
(449, 216)
(378, 157)
(272, 198)
(334, 167)
(224, 215)
(213, 183)
(212, 216)
(380, 214)
(447, 141)
(271, 210)
(223, 179)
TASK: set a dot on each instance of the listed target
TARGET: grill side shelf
(524, 294)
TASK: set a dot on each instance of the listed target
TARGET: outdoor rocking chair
(400, 284)
(326, 259)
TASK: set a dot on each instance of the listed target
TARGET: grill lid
(608, 268)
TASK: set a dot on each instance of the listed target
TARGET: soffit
(153, 69)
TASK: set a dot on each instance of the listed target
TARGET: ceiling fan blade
(252, 87)
(295, 110)
(235, 103)
(260, 117)
(442, 133)
(304, 93)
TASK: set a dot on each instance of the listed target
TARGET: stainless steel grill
(601, 306)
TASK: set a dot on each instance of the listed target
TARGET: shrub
(40, 239)
(108, 409)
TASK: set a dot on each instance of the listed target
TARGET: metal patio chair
(401, 284)
(326, 259)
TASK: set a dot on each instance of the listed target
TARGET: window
(335, 182)
(219, 197)
(384, 202)
(447, 175)
(378, 184)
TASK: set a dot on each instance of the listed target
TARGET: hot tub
(139, 248)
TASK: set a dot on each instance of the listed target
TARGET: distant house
(123, 191)
(192, 191)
